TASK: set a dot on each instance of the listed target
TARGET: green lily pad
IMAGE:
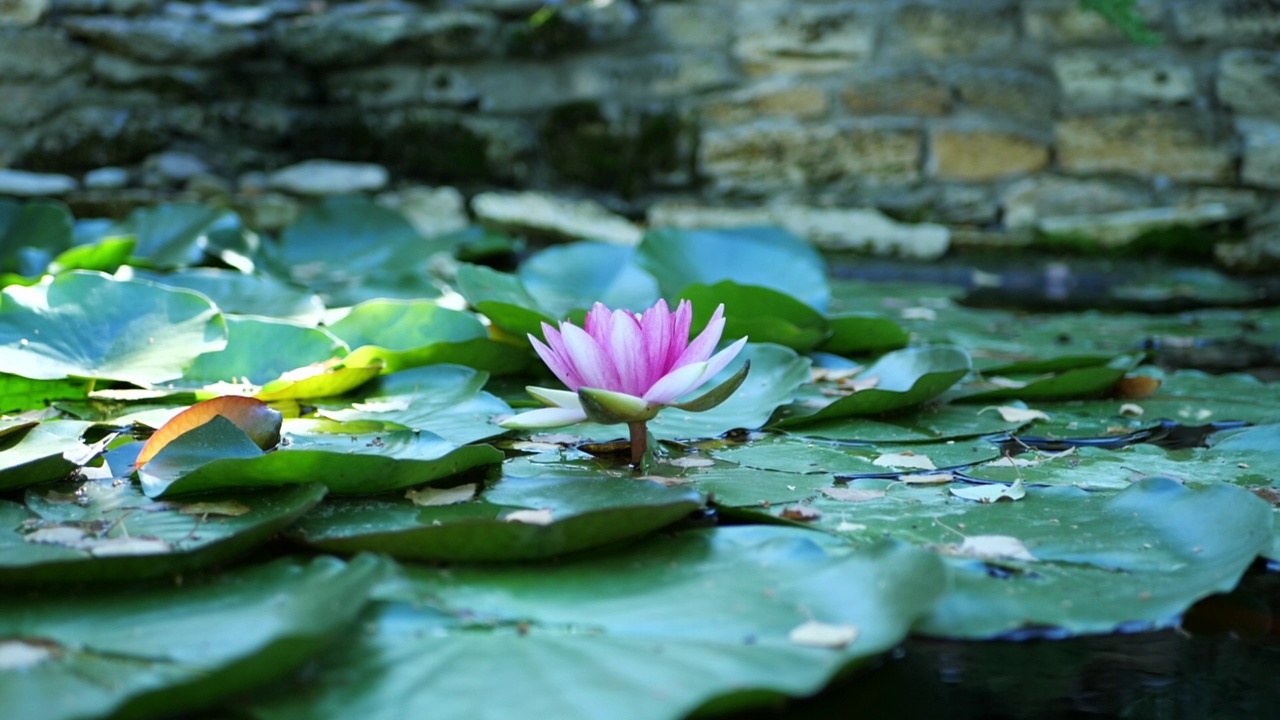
(350, 249)
(105, 530)
(1098, 561)
(48, 451)
(503, 299)
(245, 294)
(860, 333)
(710, 620)
(219, 455)
(765, 257)
(517, 518)
(1073, 383)
(574, 276)
(87, 324)
(31, 234)
(18, 393)
(924, 424)
(764, 315)
(172, 235)
(403, 334)
(905, 378)
(319, 380)
(262, 349)
(794, 455)
(151, 652)
(105, 255)
(443, 399)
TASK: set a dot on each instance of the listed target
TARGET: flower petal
(700, 349)
(591, 362)
(724, 357)
(557, 357)
(544, 418)
(681, 321)
(609, 408)
(676, 383)
(655, 329)
(626, 347)
(555, 398)
(599, 323)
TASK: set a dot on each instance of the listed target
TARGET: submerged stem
(639, 442)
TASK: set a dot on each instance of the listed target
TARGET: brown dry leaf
(432, 497)
(906, 459)
(802, 513)
(851, 494)
(1009, 413)
(1135, 387)
(530, 517)
(990, 547)
(821, 635)
(258, 420)
(230, 508)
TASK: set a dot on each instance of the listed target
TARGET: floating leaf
(991, 493)
(762, 314)
(48, 451)
(574, 276)
(258, 421)
(403, 334)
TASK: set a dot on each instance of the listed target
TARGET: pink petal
(702, 346)
(626, 347)
(599, 323)
(682, 320)
(588, 359)
(724, 357)
(676, 383)
(544, 418)
(557, 357)
(656, 326)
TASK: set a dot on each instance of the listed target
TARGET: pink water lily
(623, 367)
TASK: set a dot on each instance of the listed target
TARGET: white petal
(676, 383)
(555, 398)
(544, 418)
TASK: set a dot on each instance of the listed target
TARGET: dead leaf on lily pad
(689, 462)
(1005, 383)
(802, 513)
(937, 478)
(530, 517)
(433, 497)
(906, 459)
(992, 493)
(116, 547)
(254, 417)
(1135, 387)
(381, 406)
(851, 494)
(822, 635)
(20, 655)
(230, 508)
(1012, 414)
(989, 547)
(1131, 410)
(57, 535)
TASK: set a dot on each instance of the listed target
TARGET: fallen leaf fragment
(434, 497)
(904, 460)
(254, 417)
(230, 508)
(1005, 383)
(992, 493)
(851, 494)
(381, 406)
(1131, 410)
(689, 462)
(530, 517)
(58, 535)
(802, 513)
(990, 547)
(19, 655)
(117, 547)
(1135, 387)
(1012, 414)
(821, 635)
(927, 478)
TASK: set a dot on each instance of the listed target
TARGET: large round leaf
(1083, 562)
(902, 379)
(32, 234)
(261, 349)
(764, 315)
(87, 324)
(705, 620)
(569, 277)
(858, 333)
(443, 399)
(173, 235)
(503, 299)
(159, 651)
(1077, 382)
(766, 257)
(518, 518)
(245, 294)
(218, 455)
(48, 451)
(106, 530)
(409, 333)
(925, 424)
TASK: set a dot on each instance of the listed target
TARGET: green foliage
(1124, 15)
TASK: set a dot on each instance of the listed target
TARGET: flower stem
(639, 442)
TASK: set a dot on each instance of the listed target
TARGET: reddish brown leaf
(258, 420)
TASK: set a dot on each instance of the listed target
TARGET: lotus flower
(624, 367)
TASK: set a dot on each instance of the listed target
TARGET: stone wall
(996, 118)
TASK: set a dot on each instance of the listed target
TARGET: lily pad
(1077, 382)
(48, 451)
(573, 276)
(766, 257)
(219, 455)
(764, 315)
(925, 424)
(859, 333)
(173, 235)
(31, 234)
(87, 324)
(105, 530)
(260, 349)
(443, 399)
(794, 455)
(155, 651)
(18, 393)
(245, 294)
(904, 378)
(517, 518)
(586, 639)
(403, 334)
(503, 299)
